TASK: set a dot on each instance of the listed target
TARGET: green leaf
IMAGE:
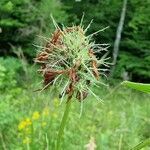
(11, 23)
(138, 86)
(8, 6)
(141, 145)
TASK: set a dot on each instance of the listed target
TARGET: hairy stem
(63, 123)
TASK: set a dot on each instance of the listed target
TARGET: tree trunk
(118, 35)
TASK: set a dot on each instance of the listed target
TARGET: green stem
(63, 123)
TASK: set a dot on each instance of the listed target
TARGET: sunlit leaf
(138, 86)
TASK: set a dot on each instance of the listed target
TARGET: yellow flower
(22, 125)
(44, 124)
(27, 140)
(46, 111)
(36, 115)
(28, 121)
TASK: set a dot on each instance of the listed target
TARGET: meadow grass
(119, 123)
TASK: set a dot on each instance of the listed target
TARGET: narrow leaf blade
(141, 145)
(137, 86)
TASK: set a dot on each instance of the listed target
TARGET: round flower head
(68, 60)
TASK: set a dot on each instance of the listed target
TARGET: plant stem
(3, 143)
(63, 123)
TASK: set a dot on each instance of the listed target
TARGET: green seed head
(68, 60)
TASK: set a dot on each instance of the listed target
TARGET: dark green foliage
(137, 67)
(135, 46)
(16, 23)
(22, 20)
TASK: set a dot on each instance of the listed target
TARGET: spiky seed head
(68, 60)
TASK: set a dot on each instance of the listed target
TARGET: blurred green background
(121, 122)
